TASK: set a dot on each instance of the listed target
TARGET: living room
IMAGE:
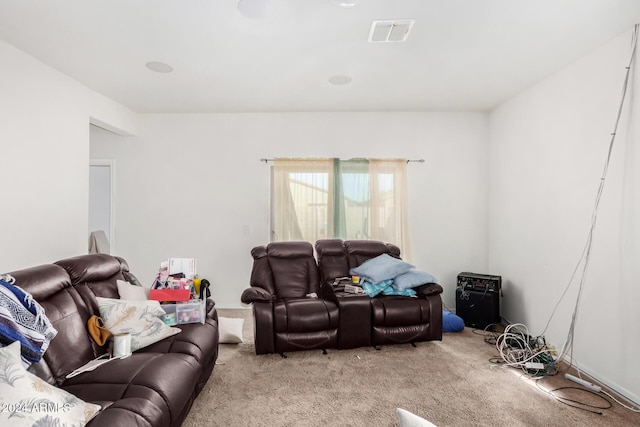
(508, 189)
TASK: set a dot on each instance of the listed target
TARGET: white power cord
(516, 351)
(567, 348)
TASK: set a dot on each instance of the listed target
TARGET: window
(349, 199)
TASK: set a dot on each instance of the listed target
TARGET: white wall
(547, 151)
(44, 147)
(193, 185)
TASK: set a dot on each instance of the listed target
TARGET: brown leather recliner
(388, 319)
(291, 312)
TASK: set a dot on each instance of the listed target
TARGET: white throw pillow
(230, 330)
(132, 292)
(27, 400)
(407, 419)
(139, 318)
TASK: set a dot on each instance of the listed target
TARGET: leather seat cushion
(399, 311)
(304, 315)
(132, 411)
(196, 339)
(166, 382)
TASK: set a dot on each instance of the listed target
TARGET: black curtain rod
(408, 161)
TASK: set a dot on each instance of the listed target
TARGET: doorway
(101, 188)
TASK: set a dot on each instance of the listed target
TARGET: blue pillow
(381, 268)
(413, 278)
(451, 322)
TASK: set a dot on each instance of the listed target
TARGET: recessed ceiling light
(159, 67)
(346, 3)
(340, 80)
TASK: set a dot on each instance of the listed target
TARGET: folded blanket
(386, 288)
(390, 290)
(23, 319)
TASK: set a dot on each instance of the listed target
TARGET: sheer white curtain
(389, 203)
(352, 199)
(349, 199)
(301, 205)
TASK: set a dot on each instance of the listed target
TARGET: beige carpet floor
(449, 382)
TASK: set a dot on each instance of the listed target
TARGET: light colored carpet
(450, 383)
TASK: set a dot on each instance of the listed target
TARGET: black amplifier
(479, 282)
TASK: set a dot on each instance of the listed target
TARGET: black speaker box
(478, 309)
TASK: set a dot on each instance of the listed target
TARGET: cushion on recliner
(413, 278)
(333, 259)
(304, 315)
(381, 268)
(165, 381)
(400, 311)
(359, 251)
(293, 268)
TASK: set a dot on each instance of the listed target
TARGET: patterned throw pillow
(27, 400)
(139, 318)
(373, 289)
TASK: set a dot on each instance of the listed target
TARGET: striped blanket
(23, 319)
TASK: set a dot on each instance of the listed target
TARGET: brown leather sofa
(155, 386)
(286, 319)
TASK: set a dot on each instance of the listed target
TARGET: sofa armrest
(255, 294)
(210, 309)
(428, 289)
(328, 293)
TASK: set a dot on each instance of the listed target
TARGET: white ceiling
(461, 55)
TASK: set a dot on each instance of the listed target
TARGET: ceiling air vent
(390, 31)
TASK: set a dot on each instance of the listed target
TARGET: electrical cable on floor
(620, 403)
(488, 333)
(576, 403)
(518, 349)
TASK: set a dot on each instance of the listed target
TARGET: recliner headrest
(90, 268)
(42, 281)
(290, 249)
(365, 247)
(330, 247)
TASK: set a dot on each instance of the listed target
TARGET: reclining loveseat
(297, 307)
(154, 386)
